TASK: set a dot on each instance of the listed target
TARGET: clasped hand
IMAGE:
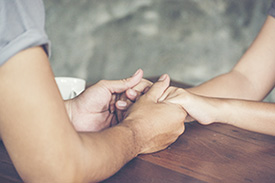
(199, 108)
(93, 110)
(155, 124)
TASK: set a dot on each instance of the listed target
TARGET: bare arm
(36, 129)
(253, 77)
(250, 115)
(229, 98)
(40, 138)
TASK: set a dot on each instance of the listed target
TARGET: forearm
(253, 77)
(253, 116)
(250, 115)
(65, 156)
(107, 151)
(89, 157)
(37, 132)
(229, 85)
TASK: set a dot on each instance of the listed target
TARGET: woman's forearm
(250, 115)
(253, 77)
(229, 85)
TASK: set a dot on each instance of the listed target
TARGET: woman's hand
(199, 108)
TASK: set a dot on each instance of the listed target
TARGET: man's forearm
(107, 151)
(37, 132)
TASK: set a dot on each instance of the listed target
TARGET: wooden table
(214, 153)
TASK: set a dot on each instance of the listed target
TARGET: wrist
(135, 139)
(211, 109)
(219, 110)
(226, 114)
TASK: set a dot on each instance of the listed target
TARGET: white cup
(70, 87)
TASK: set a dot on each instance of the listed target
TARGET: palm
(91, 110)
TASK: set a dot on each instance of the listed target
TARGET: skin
(93, 110)
(38, 127)
(235, 97)
(253, 77)
(126, 99)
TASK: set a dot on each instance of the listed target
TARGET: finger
(112, 104)
(136, 91)
(120, 115)
(166, 94)
(122, 102)
(119, 86)
(134, 98)
(121, 105)
(113, 121)
(131, 94)
(158, 88)
(177, 96)
(144, 83)
(172, 92)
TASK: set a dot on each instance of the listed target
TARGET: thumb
(119, 86)
(159, 87)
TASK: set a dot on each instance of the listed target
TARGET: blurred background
(191, 40)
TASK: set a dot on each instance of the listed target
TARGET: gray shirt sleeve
(21, 27)
(271, 10)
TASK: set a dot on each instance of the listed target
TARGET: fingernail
(132, 92)
(163, 77)
(136, 73)
(121, 103)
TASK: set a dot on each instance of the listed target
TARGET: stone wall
(191, 40)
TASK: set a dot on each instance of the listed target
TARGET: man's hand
(130, 96)
(155, 124)
(94, 109)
